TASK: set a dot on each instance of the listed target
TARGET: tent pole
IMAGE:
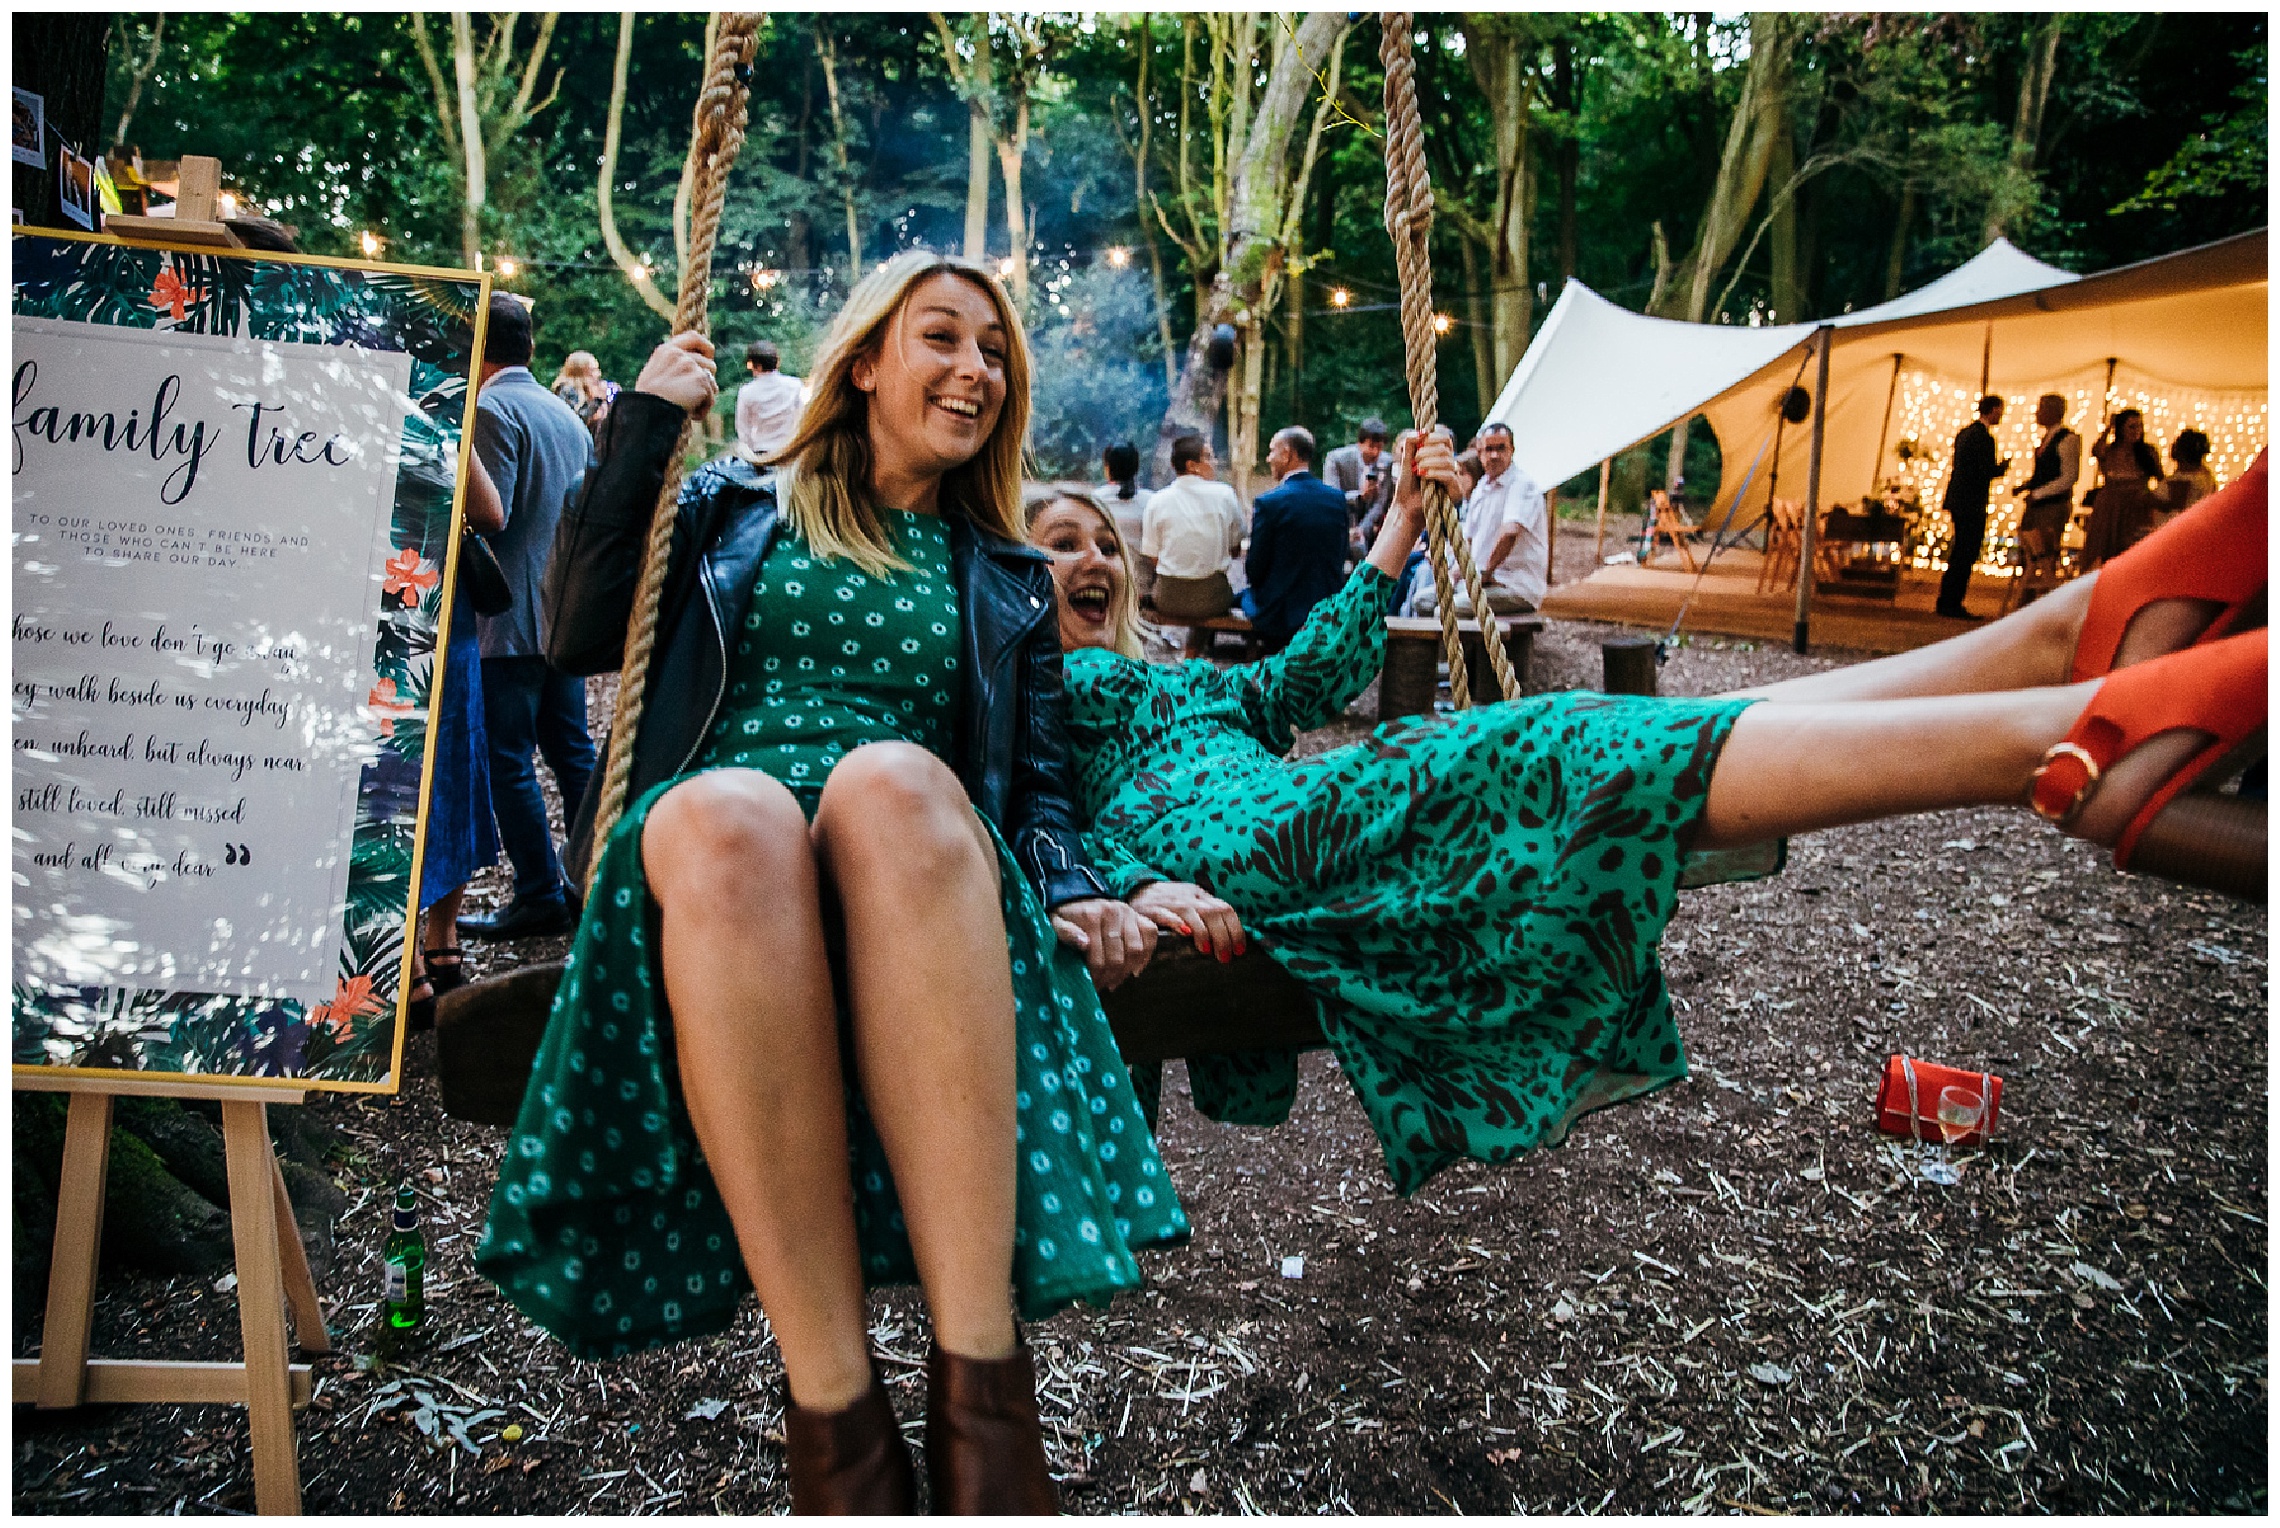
(1599, 532)
(1803, 636)
(2107, 402)
(1986, 357)
(1876, 472)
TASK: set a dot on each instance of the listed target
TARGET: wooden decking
(1727, 603)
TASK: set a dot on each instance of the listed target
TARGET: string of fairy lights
(1930, 410)
(765, 279)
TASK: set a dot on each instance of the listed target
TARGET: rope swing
(716, 138)
(1409, 221)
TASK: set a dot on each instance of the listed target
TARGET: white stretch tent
(1599, 379)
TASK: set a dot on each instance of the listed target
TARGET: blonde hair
(827, 462)
(1124, 610)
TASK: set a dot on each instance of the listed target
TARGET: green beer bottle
(405, 1257)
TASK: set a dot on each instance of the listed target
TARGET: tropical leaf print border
(350, 1043)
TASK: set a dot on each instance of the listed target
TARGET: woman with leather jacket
(816, 1029)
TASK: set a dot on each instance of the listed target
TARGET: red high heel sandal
(2213, 551)
(2217, 688)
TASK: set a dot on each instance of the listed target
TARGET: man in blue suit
(1298, 542)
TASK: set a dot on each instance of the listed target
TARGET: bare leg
(727, 856)
(1793, 768)
(932, 997)
(441, 920)
(2028, 648)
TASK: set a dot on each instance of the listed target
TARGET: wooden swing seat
(1185, 1004)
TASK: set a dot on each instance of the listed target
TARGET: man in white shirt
(1189, 535)
(1505, 525)
(768, 406)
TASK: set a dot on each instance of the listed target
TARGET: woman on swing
(1476, 899)
(815, 1029)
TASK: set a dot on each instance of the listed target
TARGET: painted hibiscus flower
(408, 576)
(171, 295)
(352, 999)
(389, 706)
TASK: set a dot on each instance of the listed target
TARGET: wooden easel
(272, 1278)
(197, 187)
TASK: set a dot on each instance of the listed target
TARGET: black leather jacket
(1011, 751)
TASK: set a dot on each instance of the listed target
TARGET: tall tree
(488, 102)
(2035, 75)
(1254, 204)
(1760, 118)
(636, 270)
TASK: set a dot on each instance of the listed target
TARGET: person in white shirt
(1126, 501)
(1505, 524)
(768, 406)
(1189, 535)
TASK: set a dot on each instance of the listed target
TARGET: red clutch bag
(1930, 1102)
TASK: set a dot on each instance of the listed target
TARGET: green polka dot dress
(605, 1227)
(1474, 899)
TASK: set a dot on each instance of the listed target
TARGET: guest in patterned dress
(816, 1030)
(1475, 899)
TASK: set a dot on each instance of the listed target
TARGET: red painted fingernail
(1183, 928)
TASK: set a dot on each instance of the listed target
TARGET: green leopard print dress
(1474, 900)
(605, 1227)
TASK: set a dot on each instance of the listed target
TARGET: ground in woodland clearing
(1732, 1295)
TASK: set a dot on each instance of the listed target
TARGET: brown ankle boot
(849, 1463)
(985, 1454)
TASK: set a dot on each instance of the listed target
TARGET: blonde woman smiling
(816, 1031)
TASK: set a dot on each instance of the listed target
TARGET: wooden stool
(1628, 665)
(1413, 661)
(1203, 637)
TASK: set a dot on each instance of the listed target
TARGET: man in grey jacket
(1363, 472)
(535, 450)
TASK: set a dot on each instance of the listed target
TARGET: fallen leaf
(1770, 1374)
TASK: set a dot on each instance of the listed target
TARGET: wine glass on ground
(1958, 1116)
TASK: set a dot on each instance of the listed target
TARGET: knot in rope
(716, 137)
(1409, 223)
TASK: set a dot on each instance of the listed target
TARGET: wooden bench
(1413, 660)
(1185, 1004)
(1203, 637)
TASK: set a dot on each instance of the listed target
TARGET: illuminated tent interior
(2181, 337)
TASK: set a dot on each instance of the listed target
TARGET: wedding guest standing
(535, 449)
(1974, 471)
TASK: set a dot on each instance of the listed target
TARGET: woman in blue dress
(815, 1030)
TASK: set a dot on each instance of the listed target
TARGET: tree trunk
(1250, 235)
(142, 74)
(827, 56)
(1568, 159)
(60, 56)
(2035, 76)
(1485, 376)
(1781, 169)
(1896, 258)
(798, 237)
(1294, 342)
(1758, 117)
(1010, 152)
(1499, 68)
(977, 180)
(605, 187)
(470, 139)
